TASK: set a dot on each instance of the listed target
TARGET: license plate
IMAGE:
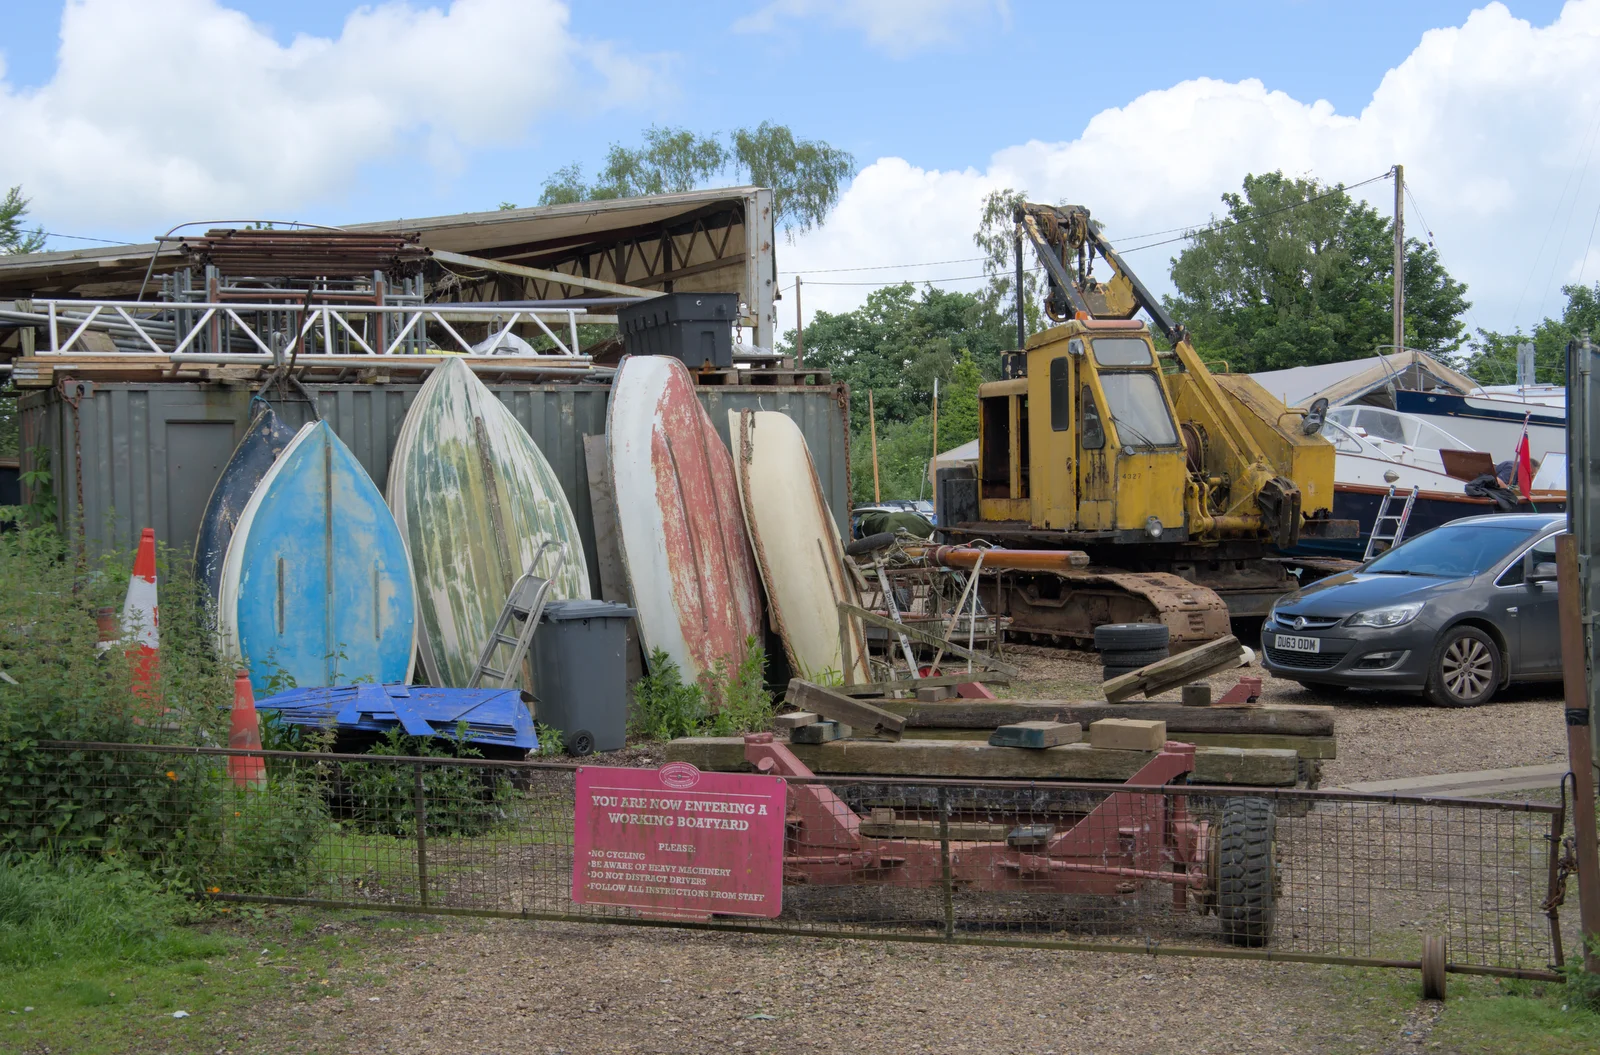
(1299, 644)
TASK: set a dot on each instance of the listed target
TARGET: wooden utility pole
(1569, 600)
(1399, 258)
(799, 325)
(933, 463)
(872, 424)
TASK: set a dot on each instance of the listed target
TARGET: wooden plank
(794, 720)
(960, 759)
(1311, 748)
(608, 554)
(959, 831)
(859, 714)
(820, 732)
(918, 634)
(883, 688)
(1127, 734)
(1036, 735)
(1175, 670)
(1257, 719)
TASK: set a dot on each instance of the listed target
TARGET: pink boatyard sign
(678, 842)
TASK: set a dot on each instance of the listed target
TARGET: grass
(97, 960)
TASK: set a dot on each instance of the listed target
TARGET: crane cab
(1086, 442)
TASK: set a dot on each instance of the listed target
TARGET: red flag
(1524, 464)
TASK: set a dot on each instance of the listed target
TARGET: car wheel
(1466, 669)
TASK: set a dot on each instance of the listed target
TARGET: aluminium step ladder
(525, 603)
(1398, 520)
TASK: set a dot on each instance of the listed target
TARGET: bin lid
(559, 611)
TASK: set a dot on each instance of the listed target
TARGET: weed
(459, 800)
(1583, 988)
(551, 741)
(726, 702)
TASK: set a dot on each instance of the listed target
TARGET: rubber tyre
(1119, 658)
(1246, 884)
(1123, 637)
(1466, 669)
(1107, 673)
(580, 744)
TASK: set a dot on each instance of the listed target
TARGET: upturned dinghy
(796, 544)
(474, 499)
(316, 588)
(263, 441)
(682, 536)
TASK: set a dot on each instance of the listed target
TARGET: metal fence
(1309, 876)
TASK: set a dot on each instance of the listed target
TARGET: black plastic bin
(694, 327)
(580, 674)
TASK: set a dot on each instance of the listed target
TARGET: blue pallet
(491, 717)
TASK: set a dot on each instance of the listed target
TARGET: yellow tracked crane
(1183, 486)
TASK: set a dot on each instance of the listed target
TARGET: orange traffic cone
(244, 734)
(141, 620)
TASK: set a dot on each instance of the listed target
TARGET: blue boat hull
(317, 586)
(263, 441)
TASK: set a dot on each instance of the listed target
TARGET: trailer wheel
(1244, 876)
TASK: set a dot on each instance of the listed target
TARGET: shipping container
(136, 455)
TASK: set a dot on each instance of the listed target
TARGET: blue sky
(954, 88)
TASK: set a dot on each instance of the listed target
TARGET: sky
(123, 118)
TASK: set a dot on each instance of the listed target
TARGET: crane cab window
(1060, 394)
(1139, 408)
(1094, 435)
(1121, 351)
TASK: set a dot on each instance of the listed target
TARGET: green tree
(996, 236)
(1300, 273)
(13, 238)
(895, 345)
(804, 175)
(1491, 358)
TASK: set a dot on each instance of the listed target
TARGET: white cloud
(897, 27)
(1491, 119)
(186, 108)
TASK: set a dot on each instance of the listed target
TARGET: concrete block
(1127, 734)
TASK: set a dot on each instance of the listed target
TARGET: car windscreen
(1453, 551)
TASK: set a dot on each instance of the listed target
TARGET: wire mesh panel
(1287, 874)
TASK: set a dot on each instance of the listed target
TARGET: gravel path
(573, 988)
(1381, 736)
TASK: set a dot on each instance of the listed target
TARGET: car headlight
(1393, 615)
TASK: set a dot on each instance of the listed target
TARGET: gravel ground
(573, 988)
(493, 986)
(1381, 736)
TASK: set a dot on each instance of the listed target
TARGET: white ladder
(525, 602)
(1399, 520)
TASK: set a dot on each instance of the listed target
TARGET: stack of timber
(970, 760)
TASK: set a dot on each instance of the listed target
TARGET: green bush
(664, 708)
(458, 800)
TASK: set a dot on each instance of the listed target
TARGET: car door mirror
(1542, 572)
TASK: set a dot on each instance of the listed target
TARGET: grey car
(1456, 614)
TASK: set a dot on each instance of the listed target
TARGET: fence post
(944, 863)
(1569, 599)
(419, 804)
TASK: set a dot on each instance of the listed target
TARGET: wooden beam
(1036, 735)
(1260, 718)
(883, 688)
(561, 277)
(1176, 670)
(962, 759)
(1314, 748)
(858, 714)
(873, 619)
